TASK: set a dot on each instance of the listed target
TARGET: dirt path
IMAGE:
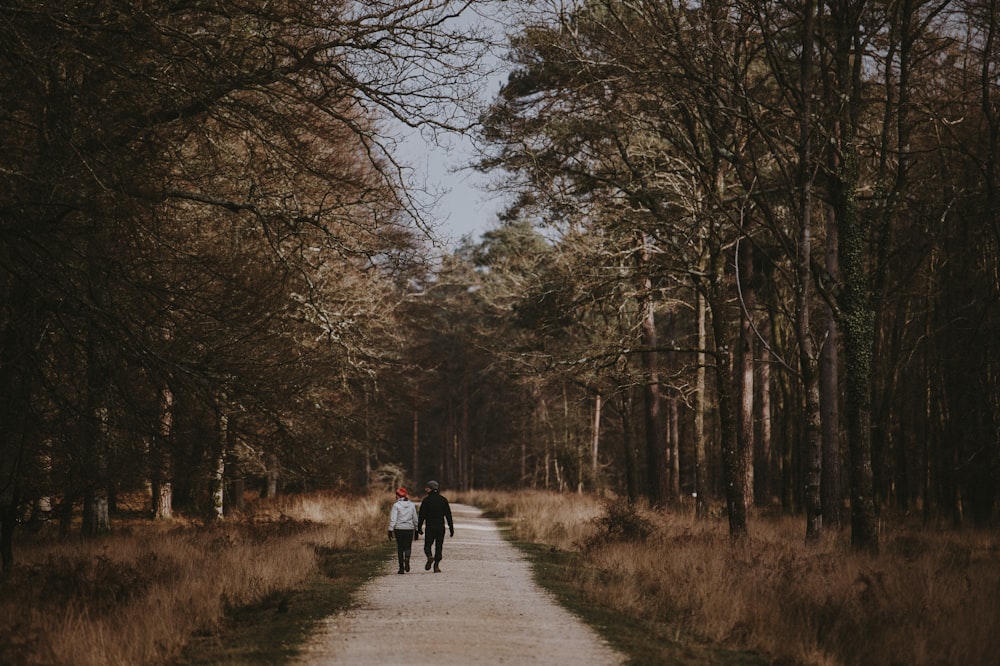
(483, 608)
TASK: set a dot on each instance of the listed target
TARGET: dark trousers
(433, 538)
(404, 541)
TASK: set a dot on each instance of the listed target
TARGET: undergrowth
(660, 585)
(675, 585)
(243, 590)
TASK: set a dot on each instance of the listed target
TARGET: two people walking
(407, 524)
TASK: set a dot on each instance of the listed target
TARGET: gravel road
(483, 608)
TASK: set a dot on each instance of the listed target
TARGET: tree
(707, 127)
(163, 163)
(612, 111)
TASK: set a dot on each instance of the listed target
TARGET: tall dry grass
(137, 596)
(930, 597)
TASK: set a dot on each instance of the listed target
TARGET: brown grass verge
(140, 595)
(662, 586)
(930, 597)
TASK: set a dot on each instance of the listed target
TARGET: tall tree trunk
(858, 328)
(218, 475)
(463, 441)
(543, 413)
(96, 499)
(723, 367)
(162, 491)
(416, 444)
(236, 483)
(744, 370)
(700, 408)
(41, 506)
(765, 462)
(524, 459)
(533, 429)
(631, 455)
(656, 462)
(97, 434)
(271, 475)
(981, 463)
(812, 458)
(595, 444)
(15, 390)
(8, 519)
(857, 315)
(674, 483)
(829, 395)
(812, 441)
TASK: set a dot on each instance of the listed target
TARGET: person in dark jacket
(434, 511)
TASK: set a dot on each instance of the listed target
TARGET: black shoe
(437, 569)
(430, 561)
(400, 570)
(406, 564)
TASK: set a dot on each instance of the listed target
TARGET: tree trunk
(731, 460)
(858, 329)
(163, 490)
(857, 317)
(534, 428)
(416, 445)
(21, 328)
(235, 481)
(631, 455)
(744, 370)
(271, 481)
(701, 406)
(96, 507)
(765, 467)
(829, 396)
(656, 463)
(595, 442)
(812, 440)
(675, 448)
(162, 476)
(812, 436)
(463, 441)
(218, 476)
(41, 513)
(8, 519)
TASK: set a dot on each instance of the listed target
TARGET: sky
(464, 206)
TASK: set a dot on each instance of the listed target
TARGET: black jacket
(434, 510)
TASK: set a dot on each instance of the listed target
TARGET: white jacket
(403, 515)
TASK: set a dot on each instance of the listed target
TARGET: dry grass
(137, 596)
(929, 598)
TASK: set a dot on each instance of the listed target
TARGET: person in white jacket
(402, 527)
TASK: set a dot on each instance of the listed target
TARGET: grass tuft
(621, 521)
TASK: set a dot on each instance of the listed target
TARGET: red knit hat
(401, 492)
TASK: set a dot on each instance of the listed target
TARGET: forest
(749, 260)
